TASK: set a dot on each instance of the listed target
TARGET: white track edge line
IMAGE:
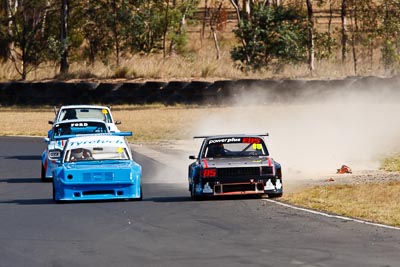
(332, 216)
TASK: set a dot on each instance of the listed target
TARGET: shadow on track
(20, 180)
(45, 201)
(189, 199)
(26, 157)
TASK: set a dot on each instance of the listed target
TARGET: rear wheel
(141, 194)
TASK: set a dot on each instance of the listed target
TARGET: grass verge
(375, 202)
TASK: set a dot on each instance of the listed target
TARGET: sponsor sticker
(251, 140)
(225, 140)
(257, 146)
(95, 141)
(207, 188)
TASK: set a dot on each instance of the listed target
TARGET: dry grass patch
(152, 123)
(391, 164)
(376, 202)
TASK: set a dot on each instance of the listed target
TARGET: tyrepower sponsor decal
(96, 141)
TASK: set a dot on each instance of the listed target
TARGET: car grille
(239, 188)
(247, 171)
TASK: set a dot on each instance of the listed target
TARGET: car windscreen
(85, 113)
(234, 147)
(102, 153)
(69, 128)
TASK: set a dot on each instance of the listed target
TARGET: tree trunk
(12, 6)
(213, 23)
(214, 33)
(246, 7)
(354, 40)
(204, 18)
(344, 30)
(239, 18)
(115, 31)
(330, 23)
(64, 67)
(165, 30)
(310, 35)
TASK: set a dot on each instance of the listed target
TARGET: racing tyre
(193, 196)
(54, 195)
(137, 199)
(141, 195)
(43, 174)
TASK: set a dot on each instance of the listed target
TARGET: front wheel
(43, 174)
(54, 194)
(193, 196)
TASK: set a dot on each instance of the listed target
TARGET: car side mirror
(117, 122)
(51, 122)
(46, 139)
(192, 157)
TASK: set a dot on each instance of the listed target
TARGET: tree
(389, 29)
(274, 36)
(176, 20)
(27, 34)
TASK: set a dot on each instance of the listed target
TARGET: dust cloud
(314, 132)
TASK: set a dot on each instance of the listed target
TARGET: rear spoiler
(233, 135)
(67, 136)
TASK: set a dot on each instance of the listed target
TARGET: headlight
(54, 154)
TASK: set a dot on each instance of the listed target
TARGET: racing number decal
(251, 140)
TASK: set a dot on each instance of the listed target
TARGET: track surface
(167, 228)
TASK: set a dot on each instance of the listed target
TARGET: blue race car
(234, 165)
(64, 129)
(97, 167)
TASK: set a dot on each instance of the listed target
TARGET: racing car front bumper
(270, 187)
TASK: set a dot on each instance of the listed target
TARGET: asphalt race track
(167, 228)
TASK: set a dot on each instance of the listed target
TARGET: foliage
(272, 37)
(269, 38)
(147, 27)
(26, 34)
(390, 27)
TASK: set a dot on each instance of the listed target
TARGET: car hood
(236, 162)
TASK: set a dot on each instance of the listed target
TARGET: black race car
(234, 165)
